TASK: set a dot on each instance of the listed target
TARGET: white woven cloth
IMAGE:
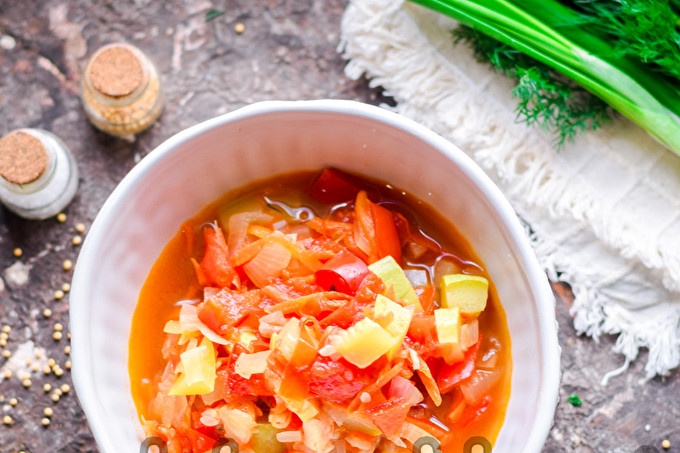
(604, 212)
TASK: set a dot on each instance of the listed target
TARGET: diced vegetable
(344, 272)
(394, 318)
(447, 322)
(397, 286)
(198, 376)
(331, 186)
(452, 375)
(467, 292)
(267, 264)
(215, 268)
(477, 386)
(248, 364)
(364, 343)
(264, 440)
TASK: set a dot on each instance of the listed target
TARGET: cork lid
(116, 71)
(23, 157)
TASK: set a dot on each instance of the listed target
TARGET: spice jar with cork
(121, 90)
(38, 174)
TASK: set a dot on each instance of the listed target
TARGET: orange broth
(173, 278)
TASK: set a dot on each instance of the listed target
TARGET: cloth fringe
(601, 210)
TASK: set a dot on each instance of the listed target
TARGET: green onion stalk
(556, 35)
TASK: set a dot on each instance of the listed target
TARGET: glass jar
(121, 90)
(38, 174)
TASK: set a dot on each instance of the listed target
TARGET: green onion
(574, 400)
(555, 35)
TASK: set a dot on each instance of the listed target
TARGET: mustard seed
(58, 372)
(67, 265)
(67, 350)
(8, 374)
(68, 364)
(6, 328)
(7, 420)
(58, 327)
(51, 362)
(58, 294)
(47, 312)
(57, 336)
(665, 444)
(65, 388)
(48, 412)
(58, 392)
(54, 397)
(239, 28)
(47, 370)
(66, 287)
(45, 422)
(3, 342)
(18, 252)
(13, 402)
(6, 354)
(80, 228)
(77, 240)
(26, 382)
(47, 388)
(61, 217)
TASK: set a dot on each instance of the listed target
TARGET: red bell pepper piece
(344, 273)
(386, 234)
(215, 268)
(332, 187)
(452, 375)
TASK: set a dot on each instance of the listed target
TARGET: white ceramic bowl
(201, 163)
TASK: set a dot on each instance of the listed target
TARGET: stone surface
(287, 51)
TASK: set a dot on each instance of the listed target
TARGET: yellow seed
(4, 336)
(67, 265)
(45, 422)
(77, 240)
(47, 370)
(67, 350)
(48, 412)
(665, 444)
(58, 372)
(3, 342)
(47, 312)
(6, 328)
(58, 294)
(26, 382)
(35, 368)
(8, 374)
(68, 364)
(18, 252)
(68, 335)
(47, 388)
(239, 28)
(65, 388)
(61, 217)
(29, 362)
(54, 397)
(6, 354)
(13, 402)
(58, 327)
(80, 227)
(7, 420)
(66, 287)
(58, 392)
(57, 336)
(37, 354)
(51, 362)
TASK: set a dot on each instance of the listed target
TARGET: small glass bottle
(121, 90)
(38, 174)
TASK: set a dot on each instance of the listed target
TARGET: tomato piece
(386, 235)
(337, 381)
(227, 308)
(215, 268)
(452, 375)
(331, 186)
(344, 273)
(426, 295)
(472, 413)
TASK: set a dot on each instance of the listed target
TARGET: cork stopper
(116, 71)
(23, 158)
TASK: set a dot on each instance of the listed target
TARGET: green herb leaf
(574, 400)
(546, 98)
(212, 14)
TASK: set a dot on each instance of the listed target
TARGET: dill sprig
(646, 30)
(545, 97)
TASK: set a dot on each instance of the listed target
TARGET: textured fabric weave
(603, 212)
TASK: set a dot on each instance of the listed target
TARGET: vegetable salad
(344, 329)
